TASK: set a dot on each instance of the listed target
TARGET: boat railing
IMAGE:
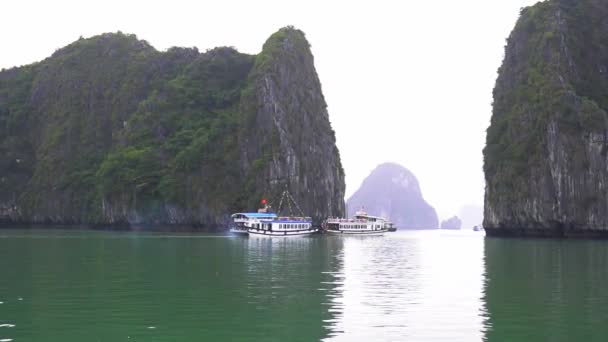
(292, 218)
(343, 220)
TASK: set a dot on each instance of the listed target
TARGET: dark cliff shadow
(289, 286)
(545, 290)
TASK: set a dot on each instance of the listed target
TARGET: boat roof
(370, 216)
(255, 215)
(293, 219)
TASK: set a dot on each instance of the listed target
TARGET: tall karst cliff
(546, 157)
(109, 130)
(393, 192)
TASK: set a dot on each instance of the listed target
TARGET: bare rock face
(546, 160)
(110, 131)
(393, 192)
(293, 145)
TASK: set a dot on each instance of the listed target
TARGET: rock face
(393, 192)
(546, 155)
(110, 131)
(451, 223)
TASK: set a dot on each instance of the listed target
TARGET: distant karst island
(110, 131)
(393, 192)
(545, 160)
(453, 223)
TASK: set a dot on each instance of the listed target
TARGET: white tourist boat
(361, 224)
(266, 223)
(283, 226)
(243, 221)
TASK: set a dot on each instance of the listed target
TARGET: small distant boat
(361, 224)
(266, 223)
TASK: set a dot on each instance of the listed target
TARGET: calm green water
(406, 286)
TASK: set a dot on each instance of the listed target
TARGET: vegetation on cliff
(110, 130)
(546, 142)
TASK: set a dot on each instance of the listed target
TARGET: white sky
(405, 81)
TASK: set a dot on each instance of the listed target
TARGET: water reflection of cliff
(287, 283)
(408, 287)
(546, 290)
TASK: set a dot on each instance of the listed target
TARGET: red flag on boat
(263, 201)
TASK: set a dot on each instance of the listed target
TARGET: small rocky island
(110, 131)
(453, 223)
(393, 192)
(546, 154)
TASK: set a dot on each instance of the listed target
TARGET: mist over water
(414, 285)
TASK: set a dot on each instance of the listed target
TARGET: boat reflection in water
(286, 283)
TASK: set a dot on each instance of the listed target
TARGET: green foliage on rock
(549, 114)
(109, 130)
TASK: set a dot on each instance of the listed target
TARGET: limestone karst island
(546, 154)
(110, 131)
(253, 192)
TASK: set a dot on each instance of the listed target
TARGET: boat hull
(237, 231)
(346, 232)
(273, 233)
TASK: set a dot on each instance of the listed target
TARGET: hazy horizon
(410, 84)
